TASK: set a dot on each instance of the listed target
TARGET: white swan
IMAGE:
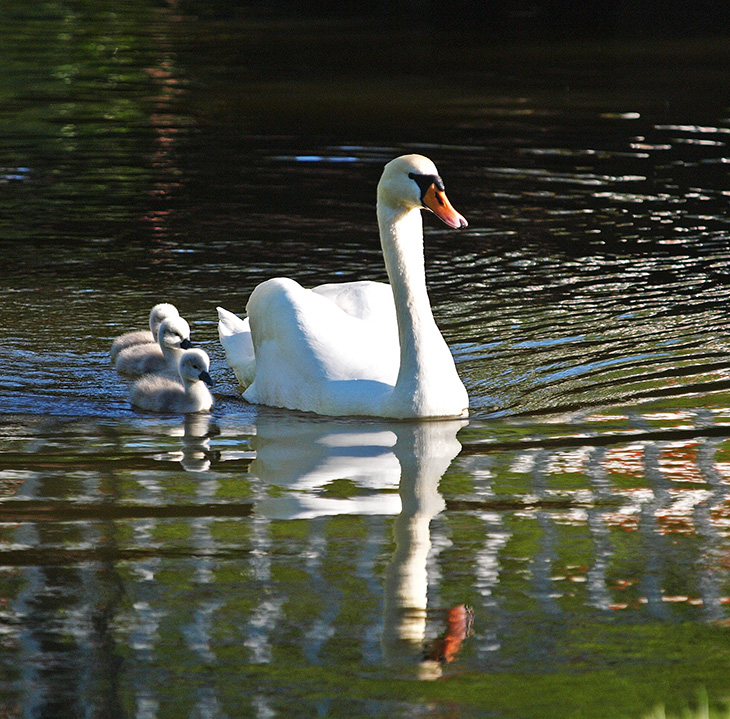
(157, 393)
(159, 312)
(356, 348)
(173, 337)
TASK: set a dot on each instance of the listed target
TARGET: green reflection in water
(87, 93)
(598, 575)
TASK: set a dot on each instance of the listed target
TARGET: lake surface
(564, 553)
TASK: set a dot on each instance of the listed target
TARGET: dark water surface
(260, 563)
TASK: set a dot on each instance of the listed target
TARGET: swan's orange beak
(439, 204)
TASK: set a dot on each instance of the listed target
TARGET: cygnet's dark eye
(425, 181)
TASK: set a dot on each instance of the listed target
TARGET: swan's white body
(157, 393)
(173, 336)
(369, 302)
(356, 348)
(158, 313)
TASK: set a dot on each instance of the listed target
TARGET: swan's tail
(235, 337)
(230, 324)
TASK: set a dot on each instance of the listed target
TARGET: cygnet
(156, 393)
(158, 313)
(173, 337)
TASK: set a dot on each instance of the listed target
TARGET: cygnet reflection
(377, 458)
(196, 443)
(195, 453)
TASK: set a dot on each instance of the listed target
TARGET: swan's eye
(424, 182)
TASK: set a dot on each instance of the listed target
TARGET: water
(262, 563)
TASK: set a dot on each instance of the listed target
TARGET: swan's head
(174, 333)
(412, 181)
(159, 313)
(194, 366)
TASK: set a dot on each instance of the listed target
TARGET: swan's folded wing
(364, 299)
(305, 342)
(129, 339)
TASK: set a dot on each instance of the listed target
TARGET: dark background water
(267, 564)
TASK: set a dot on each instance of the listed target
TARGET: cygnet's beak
(439, 204)
(206, 378)
(186, 344)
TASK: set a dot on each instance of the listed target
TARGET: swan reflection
(374, 467)
(313, 459)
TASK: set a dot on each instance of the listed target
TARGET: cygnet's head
(174, 333)
(412, 181)
(161, 312)
(194, 366)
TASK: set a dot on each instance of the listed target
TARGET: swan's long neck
(401, 236)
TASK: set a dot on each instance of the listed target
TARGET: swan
(173, 336)
(361, 348)
(157, 393)
(159, 312)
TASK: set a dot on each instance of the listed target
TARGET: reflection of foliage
(341, 489)
(86, 90)
(70, 85)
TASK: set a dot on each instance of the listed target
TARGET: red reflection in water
(168, 126)
(459, 622)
